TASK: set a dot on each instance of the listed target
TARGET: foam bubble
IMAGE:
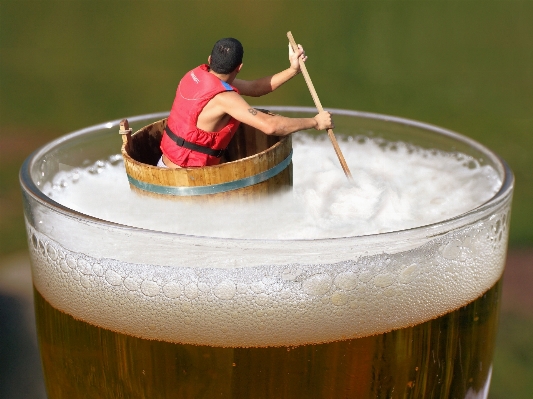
(225, 290)
(346, 281)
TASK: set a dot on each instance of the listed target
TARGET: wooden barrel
(255, 164)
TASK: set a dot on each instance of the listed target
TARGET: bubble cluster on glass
(272, 305)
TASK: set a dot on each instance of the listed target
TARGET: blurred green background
(463, 65)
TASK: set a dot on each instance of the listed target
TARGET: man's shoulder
(227, 97)
(228, 101)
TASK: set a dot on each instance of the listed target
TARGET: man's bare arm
(234, 105)
(262, 86)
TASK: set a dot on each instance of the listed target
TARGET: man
(208, 108)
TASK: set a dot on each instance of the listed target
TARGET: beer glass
(126, 312)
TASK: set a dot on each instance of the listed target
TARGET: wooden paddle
(319, 107)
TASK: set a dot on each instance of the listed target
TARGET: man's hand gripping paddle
(319, 107)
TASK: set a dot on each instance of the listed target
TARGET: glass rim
(29, 186)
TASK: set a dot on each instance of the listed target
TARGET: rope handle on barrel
(125, 130)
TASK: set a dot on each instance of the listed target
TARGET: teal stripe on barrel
(214, 188)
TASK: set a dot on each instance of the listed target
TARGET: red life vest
(194, 91)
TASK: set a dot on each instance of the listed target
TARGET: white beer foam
(395, 187)
(273, 305)
(280, 303)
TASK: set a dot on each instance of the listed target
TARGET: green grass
(12, 231)
(513, 359)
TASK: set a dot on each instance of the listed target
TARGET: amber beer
(448, 357)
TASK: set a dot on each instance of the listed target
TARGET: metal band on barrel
(214, 188)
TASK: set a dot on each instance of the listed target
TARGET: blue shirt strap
(226, 86)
